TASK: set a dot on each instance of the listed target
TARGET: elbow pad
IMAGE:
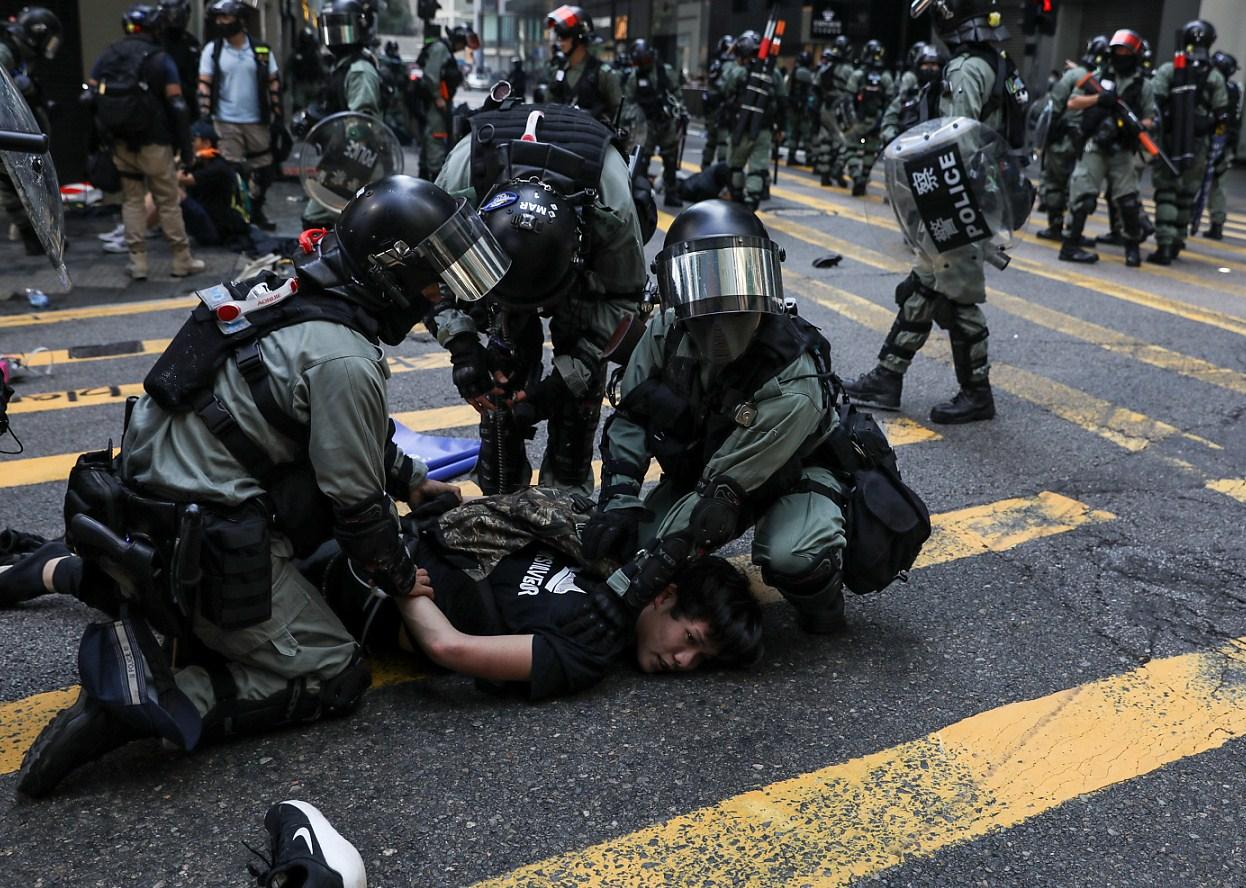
(368, 534)
(180, 112)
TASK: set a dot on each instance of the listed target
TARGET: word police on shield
(944, 198)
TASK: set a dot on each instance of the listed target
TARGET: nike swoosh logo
(305, 834)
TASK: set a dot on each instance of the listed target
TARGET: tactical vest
(1099, 123)
(1235, 110)
(872, 95)
(685, 425)
(261, 53)
(651, 92)
(450, 74)
(335, 98)
(918, 106)
(569, 156)
(1008, 94)
(586, 94)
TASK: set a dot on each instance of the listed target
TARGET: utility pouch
(300, 510)
(95, 490)
(236, 588)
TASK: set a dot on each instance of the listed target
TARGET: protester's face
(666, 643)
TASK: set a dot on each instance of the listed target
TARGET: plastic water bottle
(37, 298)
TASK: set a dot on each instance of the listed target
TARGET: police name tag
(945, 200)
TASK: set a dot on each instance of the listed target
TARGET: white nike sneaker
(117, 233)
(307, 851)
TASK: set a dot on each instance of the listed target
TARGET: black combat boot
(1130, 213)
(1177, 246)
(825, 181)
(670, 182)
(1215, 231)
(1163, 255)
(973, 403)
(858, 187)
(1055, 226)
(880, 388)
(1133, 258)
(78, 735)
(1112, 239)
(1071, 249)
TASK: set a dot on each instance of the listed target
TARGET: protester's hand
(431, 488)
(613, 534)
(423, 585)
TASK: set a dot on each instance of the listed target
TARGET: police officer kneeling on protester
(263, 433)
(555, 192)
(948, 280)
(733, 395)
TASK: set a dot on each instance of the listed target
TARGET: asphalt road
(1120, 397)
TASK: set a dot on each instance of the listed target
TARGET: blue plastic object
(446, 457)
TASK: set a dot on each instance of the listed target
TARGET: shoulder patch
(500, 200)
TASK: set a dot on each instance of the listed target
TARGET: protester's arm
(491, 657)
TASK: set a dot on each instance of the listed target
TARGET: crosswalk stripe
(964, 533)
(1234, 487)
(990, 771)
(120, 309)
(103, 395)
(57, 357)
(1128, 429)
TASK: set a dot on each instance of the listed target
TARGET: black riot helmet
(462, 36)
(1096, 52)
(540, 230)
(228, 17)
(914, 52)
(841, 48)
(827, 56)
(176, 14)
(961, 22)
(720, 273)
(928, 64)
(642, 54)
(1225, 63)
(1198, 34)
(39, 32)
(570, 22)
(142, 19)
(343, 24)
(747, 44)
(400, 234)
(804, 59)
(726, 45)
(873, 54)
(1126, 51)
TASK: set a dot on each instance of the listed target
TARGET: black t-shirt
(214, 188)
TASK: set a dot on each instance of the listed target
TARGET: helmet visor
(52, 47)
(717, 275)
(465, 254)
(339, 30)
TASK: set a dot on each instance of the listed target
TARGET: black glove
(601, 623)
(1108, 98)
(471, 366)
(716, 515)
(639, 581)
(540, 401)
(613, 534)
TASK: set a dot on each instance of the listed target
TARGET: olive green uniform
(907, 89)
(1217, 207)
(715, 113)
(362, 90)
(581, 325)
(958, 279)
(603, 102)
(795, 533)
(333, 380)
(658, 128)
(865, 136)
(799, 131)
(831, 149)
(434, 87)
(748, 156)
(1174, 195)
(1064, 146)
(1115, 161)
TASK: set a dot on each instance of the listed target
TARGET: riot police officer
(182, 46)
(198, 521)
(1190, 116)
(750, 83)
(305, 69)
(728, 392)
(835, 114)
(1110, 149)
(34, 33)
(658, 121)
(918, 93)
(950, 292)
(1226, 64)
(801, 104)
(1065, 139)
(712, 103)
(555, 190)
(441, 80)
(353, 84)
(872, 87)
(580, 78)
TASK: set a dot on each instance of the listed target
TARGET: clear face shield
(339, 30)
(463, 252)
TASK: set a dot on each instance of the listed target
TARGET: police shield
(954, 186)
(345, 152)
(28, 166)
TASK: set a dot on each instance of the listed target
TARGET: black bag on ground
(886, 522)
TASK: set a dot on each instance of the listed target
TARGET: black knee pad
(1084, 204)
(817, 589)
(341, 694)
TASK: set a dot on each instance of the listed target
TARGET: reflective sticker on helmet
(500, 200)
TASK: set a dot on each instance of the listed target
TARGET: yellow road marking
(993, 527)
(97, 311)
(1125, 428)
(58, 356)
(976, 530)
(1234, 487)
(36, 469)
(1086, 331)
(97, 396)
(990, 771)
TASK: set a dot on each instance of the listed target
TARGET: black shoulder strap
(218, 46)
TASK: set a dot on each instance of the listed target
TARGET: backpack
(124, 105)
(886, 523)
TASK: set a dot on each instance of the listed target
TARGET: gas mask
(722, 338)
